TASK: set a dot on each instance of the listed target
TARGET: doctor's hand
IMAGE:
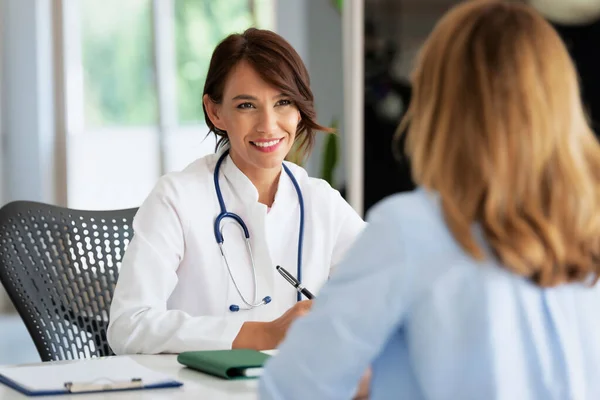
(277, 329)
(268, 335)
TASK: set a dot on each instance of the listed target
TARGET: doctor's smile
(266, 145)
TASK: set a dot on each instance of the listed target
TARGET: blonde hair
(496, 127)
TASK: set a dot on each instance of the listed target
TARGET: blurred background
(101, 97)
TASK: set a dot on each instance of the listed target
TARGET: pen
(294, 282)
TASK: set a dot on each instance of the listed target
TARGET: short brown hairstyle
(496, 127)
(278, 64)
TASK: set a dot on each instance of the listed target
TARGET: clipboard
(92, 376)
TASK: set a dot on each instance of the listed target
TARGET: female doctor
(200, 272)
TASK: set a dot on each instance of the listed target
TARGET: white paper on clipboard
(110, 372)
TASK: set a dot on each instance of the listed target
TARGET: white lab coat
(174, 291)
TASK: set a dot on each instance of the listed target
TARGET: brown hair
(497, 129)
(276, 61)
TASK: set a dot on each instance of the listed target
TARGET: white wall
(3, 297)
(27, 100)
(326, 70)
(314, 28)
(26, 104)
(291, 19)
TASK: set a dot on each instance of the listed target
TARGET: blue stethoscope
(240, 222)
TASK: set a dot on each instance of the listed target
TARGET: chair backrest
(59, 267)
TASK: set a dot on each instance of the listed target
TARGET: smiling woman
(257, 121)
(266, 60)
(257, 100)
(182, 286)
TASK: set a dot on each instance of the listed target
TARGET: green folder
(227, 364)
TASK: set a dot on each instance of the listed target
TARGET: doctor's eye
(245, 106)
(284, 102)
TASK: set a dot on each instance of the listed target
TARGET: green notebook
(227, 364)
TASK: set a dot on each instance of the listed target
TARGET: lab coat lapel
(238, 182)
(242, 199)
(283, 225)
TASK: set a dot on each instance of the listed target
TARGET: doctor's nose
(267, 121)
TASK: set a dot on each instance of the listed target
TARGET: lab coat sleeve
(349, 226)
(139, 319)
(326, 352)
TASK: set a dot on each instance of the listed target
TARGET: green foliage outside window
(118, 63)
(118, 51)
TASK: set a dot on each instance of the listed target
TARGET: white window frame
(353, 16)
(163, 18)
(163, 24)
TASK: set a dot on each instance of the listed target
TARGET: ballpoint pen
(294, 282)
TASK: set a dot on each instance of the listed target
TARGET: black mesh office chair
(59, 267)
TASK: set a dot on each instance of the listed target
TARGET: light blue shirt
(435, 324)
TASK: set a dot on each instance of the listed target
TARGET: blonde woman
(482, 283)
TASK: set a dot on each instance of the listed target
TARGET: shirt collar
(241, 185)
(244, 188)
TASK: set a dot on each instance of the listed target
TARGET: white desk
(196, 385)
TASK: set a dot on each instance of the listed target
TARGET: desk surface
(196, 385)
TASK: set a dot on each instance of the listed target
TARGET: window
(199, 26)
(117, 58)
(135, 73)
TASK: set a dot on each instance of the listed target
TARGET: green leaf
(330, 155)
(339, 4)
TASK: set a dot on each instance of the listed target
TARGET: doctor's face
(259, 120)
